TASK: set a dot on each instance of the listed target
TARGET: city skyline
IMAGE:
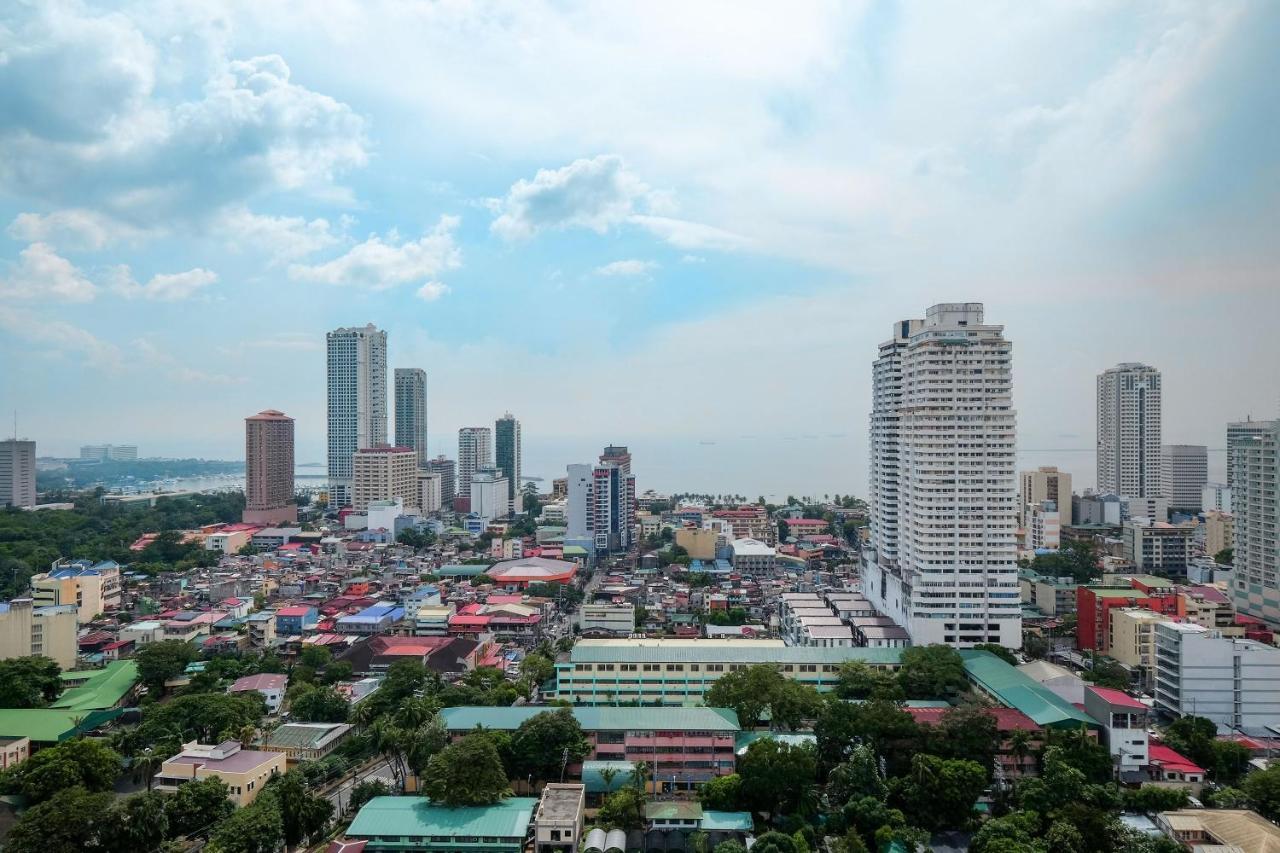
(686, 225)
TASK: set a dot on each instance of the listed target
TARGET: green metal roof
(1016, 689)
(51, 725)
(418, 817)
(102, 688)
(673, 810)
(733, 651)
(575, 550)
(604, 718)
(593, 775)
(303, 735)
(726, 821)
(460, 571)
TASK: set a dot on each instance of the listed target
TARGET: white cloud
(171, 287)
(690, 235)
(432, 290)
(98, 115)
(628, 267)
(597, 194)
(149, 354)
(41, 273)
(60, 337)
(284, 238)
(74, 228)
(379, 264)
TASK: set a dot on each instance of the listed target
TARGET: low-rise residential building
(142, 633)
(296, 619)
(557, 824)
(751, 556)
(271, 538)
(1133, 643)
(1234, 830)
(615, 619)
(395, 824)
(271, 685)
(1232, 681)
(261, 629)
(14, 751)
(375, 619)
(244, 770)
(1124, 728)
(306, 741)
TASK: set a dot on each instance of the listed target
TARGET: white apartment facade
(384, 474)
(1255, 499)
(1157, 546)
(475, 451)
(430, 491)
(1216, 496)
(1234, 682)
(1184, 470)
(944, 488)
(1129, 431)
(617, 619)
(357, 402)
(1043, 525)
(490, 494)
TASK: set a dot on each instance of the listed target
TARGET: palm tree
(1020, 746)
(145, 764)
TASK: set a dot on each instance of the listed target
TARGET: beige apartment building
(1046, 483)
(700, 542)
(1133, 637)
(244, 770)
(384, 474)
(27, 630)
(92, 589)
(268, 469)
(1219, 530)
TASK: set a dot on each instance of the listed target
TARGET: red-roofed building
(1017, 753)
(518, 574)
(800, 527)
(1095, 603)
(1170, 766)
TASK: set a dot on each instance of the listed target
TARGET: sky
(681, 227)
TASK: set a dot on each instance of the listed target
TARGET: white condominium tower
(475, 451)
(357, 401)
(944, 497)
(411, 410)
(1129, 451)
(1254, 463)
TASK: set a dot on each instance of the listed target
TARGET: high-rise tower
(17, 472)
(1254, 463)
(357, 401)
(268, 469)
(475, 451)
(944, 494)
(1129, 449)
(411, 410)
(506, 442)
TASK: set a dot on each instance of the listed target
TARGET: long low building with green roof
(393, 824)
(681, 747)
(679, 672)
(99, 689)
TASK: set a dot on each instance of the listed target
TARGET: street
(339, 796)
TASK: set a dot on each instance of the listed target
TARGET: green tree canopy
(29, 682)
(137, 823)
(860, 680)
(777, 777)
(939, 793)
(722, 793)
(1262, 787)
(319, 705)
(752, 691)
(159, 662)
(78, 763)
(466, 773)
(546, 743)
(197, 806)
(932, 672)
(66, 822)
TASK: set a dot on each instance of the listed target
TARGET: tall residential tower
(357, 410)
(17, 472)
(1129, 450)
(944, 493)
(268, 469)
(1254, 463)
(411, 410)
(475, 451)
(506, 441)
